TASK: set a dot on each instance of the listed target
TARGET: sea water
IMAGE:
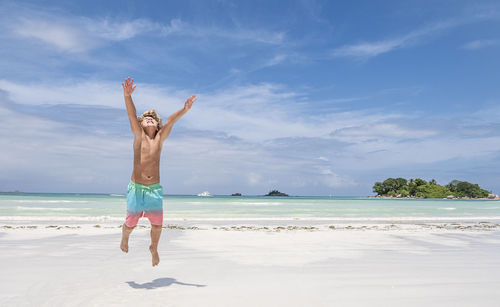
(48, 206)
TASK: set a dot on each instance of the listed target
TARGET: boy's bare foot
(125, 235)
(124, 245)
(156, 257)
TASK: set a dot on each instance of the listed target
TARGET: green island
(276, 193)
(419, 188)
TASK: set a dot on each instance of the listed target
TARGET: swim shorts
(144, 200)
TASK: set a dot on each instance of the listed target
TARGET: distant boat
(206, 193)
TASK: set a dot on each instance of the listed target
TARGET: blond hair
(153, 114)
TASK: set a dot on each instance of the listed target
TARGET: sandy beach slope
(228, 265)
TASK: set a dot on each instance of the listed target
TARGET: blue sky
(308, 97)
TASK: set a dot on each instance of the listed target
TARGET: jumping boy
(144, 192)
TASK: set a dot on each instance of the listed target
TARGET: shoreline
(312, 220)
(269, 225)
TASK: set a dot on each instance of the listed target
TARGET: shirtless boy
(144, 192)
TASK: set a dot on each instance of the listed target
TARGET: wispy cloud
(481, 43)
(179, 27)
(79, 34)
(380, 130)
(36, 93)
(59, 36)
(372, 49)
(277, 59)
(76, 34)
(365, 50)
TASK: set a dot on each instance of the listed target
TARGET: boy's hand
(189, 102)
(128, 88)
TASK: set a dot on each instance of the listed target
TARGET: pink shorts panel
(132, 218)
(155, 218)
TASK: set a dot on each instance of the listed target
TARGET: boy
(144, 192)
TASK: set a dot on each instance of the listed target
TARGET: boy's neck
(150, 132)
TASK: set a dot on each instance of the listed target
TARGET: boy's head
(150, 118)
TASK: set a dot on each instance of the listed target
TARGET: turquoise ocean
(112, 207)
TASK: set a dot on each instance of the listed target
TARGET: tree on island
(466, 189)
(276, 193)
(400, 187)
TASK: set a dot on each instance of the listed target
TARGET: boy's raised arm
(172, 119)
(128, 88)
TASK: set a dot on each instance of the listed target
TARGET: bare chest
(150, 148)
(147, 149)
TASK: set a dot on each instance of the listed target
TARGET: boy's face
(149, 121)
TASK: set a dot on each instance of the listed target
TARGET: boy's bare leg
(155, 237)
(125, 235)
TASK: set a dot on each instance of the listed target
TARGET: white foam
(62, 218)
(50, 201)
(49, 209)
(239, 203)
(259, 203)
(257, 219)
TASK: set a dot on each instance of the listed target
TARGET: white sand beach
(244, 264)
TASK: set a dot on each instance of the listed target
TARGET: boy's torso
(147, 153)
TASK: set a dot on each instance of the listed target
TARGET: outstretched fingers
(190, 101)
(129, 84)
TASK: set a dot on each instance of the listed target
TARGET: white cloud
(79, 34)
(253, 112)
(117, 31)
(333, 180)
(480, 44)
(489, 114)
(277, 59)
(241, 139)
(44, 153)
(179, 27)
(380, 130)
(203, 156)
(86, 93)
(380, 154)
(59, 36)
(366, 50)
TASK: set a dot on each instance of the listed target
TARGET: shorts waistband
(145, 186)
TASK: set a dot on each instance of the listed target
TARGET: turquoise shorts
(144, 200)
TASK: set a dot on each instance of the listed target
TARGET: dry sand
(217, 264)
